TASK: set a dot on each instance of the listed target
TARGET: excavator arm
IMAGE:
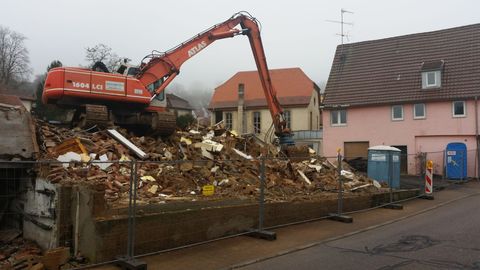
(164, 67)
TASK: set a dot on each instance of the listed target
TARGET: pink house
(416, 92)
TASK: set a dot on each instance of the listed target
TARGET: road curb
(299, 248)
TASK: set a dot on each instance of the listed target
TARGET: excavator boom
(109, 92)
(166, 66)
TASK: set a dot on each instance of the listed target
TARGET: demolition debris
(180, 167)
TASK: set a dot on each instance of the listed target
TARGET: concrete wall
(17, 133)
(160, 227)
(374, 124)
(47, 218)
(27, 104)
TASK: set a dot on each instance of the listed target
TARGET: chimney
(240, 109)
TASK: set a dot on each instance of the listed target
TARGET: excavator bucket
(296, 152)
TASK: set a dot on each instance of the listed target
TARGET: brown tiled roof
(177, 102)
(293, 88)
(388, 70)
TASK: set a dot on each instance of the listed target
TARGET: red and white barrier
(429, 178)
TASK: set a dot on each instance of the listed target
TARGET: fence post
(260, 232)
(339, 216)
(340, 184)
(261, 210)
(444, 165)
(129, 261)
(390, 175)
(391, 205)
(130, 212)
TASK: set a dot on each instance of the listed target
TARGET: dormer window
(432, 74)
(431, 79)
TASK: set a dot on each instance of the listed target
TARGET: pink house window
(338, 117)
(419, 111)
(458, 109)
(397, 112)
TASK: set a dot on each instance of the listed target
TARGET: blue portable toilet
(456, 161)
(384, 164)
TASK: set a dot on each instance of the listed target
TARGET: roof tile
(293, 87)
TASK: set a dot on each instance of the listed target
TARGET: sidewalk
(238, 251)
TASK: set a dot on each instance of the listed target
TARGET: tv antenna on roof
(342, 23)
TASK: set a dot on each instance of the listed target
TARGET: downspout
(477, 157)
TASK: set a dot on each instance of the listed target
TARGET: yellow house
(240, 102)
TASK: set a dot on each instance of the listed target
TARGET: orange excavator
(136, 96)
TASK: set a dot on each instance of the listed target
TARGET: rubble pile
(18, 253)
(185, 166)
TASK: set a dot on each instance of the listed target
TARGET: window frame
(287, 114)
(415, 111)
(229, 122)
(393, 114)
(464, 109)
(438, 79)
(257, 130)
(339, 118)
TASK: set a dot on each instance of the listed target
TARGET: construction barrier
(429, 178)
(149, 207)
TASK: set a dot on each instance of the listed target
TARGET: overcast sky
(295, 33)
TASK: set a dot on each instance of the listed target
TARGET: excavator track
(92, 115)
(164, 123)
(152, 123)
(97, 115)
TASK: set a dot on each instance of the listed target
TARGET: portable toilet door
(384, 164)
(456, 161)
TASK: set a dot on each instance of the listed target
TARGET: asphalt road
(447, 237)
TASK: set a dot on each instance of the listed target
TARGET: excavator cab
(154, 86)
(128, 70)
(158, 100)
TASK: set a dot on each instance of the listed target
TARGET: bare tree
(14, 60)
(103, 53)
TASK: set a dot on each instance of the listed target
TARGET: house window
(256, 122)
(288, 119)
(431, 79)
(310, 120)
(228, 121)
(241, 90)
(419, 111)
(397, 112)
(458, 108)
(338, 117)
